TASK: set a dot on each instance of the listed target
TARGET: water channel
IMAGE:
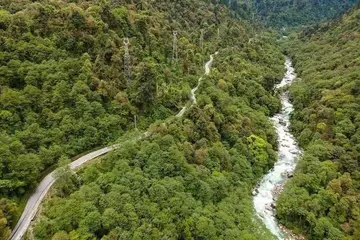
(272, 183)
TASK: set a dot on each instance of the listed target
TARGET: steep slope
(323, 198)
(64, 91)
(292, 13)
(192, 177)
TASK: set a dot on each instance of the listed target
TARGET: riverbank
(271, 185)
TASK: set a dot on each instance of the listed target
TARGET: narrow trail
(33, 203)
(272, 183)
(192, 92)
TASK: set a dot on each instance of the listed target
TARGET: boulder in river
(277, 189)
(282, 122)
(285, 145)
(294, 151)
(287, 174)
(269, 207)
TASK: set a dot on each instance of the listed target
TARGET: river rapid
(271, 185)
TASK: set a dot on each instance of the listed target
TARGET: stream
(271, 185)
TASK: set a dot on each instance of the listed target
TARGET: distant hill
(290, 13)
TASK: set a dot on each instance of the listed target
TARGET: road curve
(35, 199)
(192, 92)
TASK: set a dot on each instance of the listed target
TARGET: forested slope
(63, 91)
(292, 13)
(323, 198)
(192, 178)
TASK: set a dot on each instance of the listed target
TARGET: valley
(168, 119)
(270, 187)
(33, 203)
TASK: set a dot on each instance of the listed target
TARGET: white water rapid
(192, 92)
(272, 183)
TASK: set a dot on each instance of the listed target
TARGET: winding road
(192, 92)
(272, 183)
(33, 203)
(35, 199)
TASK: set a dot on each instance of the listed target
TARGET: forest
(323, 198)
(65, 91)
(293, 13)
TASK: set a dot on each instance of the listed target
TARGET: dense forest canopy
(323, 198)
(64, 91)
(292, 13)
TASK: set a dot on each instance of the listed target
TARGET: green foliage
(62, 84)
(64, 91)
(260, 152)
(322, 200)
(293, 13)
(192, 177)
(7, 213)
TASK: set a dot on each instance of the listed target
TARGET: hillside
(64, 91)
(323, 198)
(69, 85)
(285, 13)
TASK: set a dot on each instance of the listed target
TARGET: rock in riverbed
(282, 122)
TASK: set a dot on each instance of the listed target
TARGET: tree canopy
(64, 91)
(323, 198)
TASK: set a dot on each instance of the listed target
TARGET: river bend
(271, 185)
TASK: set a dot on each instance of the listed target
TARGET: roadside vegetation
(64, 91)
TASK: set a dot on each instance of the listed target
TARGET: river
(270, 186)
